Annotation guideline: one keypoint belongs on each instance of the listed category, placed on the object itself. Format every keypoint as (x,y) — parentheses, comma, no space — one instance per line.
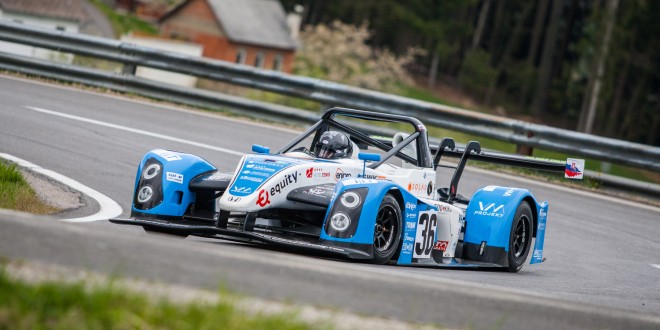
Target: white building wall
(41,53)
(185,48)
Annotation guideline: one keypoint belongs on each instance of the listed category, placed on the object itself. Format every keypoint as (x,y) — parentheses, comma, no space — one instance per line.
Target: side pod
(161,183)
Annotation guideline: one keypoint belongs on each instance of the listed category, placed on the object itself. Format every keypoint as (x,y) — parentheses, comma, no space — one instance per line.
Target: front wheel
(387,230)
(520,238)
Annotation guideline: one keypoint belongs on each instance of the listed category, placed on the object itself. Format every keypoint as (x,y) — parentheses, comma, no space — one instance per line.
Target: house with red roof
(249,32)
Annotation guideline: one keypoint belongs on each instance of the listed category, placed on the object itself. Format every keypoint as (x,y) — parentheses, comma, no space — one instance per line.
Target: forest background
(586,65)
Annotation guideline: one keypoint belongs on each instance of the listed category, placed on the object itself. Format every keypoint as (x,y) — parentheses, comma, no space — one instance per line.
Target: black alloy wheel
(387,230)
(520,238)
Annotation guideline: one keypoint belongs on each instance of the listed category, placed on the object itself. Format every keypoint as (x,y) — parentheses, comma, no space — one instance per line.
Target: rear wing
(572,168)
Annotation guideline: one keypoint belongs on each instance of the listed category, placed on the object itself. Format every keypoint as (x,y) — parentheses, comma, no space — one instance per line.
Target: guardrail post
(525,150)
(129,69)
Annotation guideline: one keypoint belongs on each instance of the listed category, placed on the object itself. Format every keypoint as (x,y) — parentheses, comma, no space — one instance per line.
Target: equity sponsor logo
(509,192)
(490,209)
(406,246)
(263,198)
(286,181)
(174,177)
(543,214)
(411,225)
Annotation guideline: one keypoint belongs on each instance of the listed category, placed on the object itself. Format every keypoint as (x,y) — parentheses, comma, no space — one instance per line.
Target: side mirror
(260,149)
(367,157)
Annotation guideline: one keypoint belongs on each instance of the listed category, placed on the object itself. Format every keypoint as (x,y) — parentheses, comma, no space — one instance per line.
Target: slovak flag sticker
(574,169)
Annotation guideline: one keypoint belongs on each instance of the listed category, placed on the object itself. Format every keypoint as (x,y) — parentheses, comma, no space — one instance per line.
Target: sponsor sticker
(168,155)
(218,177)
(411,206)
(441,245)
(241,190)
(574,168)
(315,172)
(351,182)
(174,177)
(490,209)
(339,174)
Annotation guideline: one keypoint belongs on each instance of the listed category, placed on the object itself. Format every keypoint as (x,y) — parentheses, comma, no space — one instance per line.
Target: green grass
(124,23)
(74,306)
(16,194)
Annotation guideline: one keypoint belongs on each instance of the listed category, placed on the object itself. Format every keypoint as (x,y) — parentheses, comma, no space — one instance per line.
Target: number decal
(426,227)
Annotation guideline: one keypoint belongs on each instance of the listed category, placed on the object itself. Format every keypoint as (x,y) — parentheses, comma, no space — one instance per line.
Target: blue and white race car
(339,190)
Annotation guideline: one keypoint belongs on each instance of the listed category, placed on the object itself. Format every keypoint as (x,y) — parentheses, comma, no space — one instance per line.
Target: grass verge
(53,305)
(16,194)
(124,23)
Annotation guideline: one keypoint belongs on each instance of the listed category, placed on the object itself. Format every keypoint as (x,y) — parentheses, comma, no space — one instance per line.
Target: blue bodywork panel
(490,214)
(377,189)
(178,169)
(255,170)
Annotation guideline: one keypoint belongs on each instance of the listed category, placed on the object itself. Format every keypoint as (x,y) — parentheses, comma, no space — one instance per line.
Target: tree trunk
(539,23)
(625,128)
(612,6)
(615,110)
(545,74)
(483,16)
(511,44)
(494,37)
(433,71)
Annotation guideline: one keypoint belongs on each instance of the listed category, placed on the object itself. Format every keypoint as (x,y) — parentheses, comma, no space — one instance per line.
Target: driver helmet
(333,145)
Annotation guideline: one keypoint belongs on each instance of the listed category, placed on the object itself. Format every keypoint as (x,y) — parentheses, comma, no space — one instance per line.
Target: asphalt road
(603,254)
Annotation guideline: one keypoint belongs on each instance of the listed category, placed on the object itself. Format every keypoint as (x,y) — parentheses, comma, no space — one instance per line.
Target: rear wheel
(387,230)
(520,238)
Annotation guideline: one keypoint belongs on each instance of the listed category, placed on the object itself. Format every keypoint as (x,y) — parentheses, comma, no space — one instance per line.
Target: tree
(589,112)
(545,71)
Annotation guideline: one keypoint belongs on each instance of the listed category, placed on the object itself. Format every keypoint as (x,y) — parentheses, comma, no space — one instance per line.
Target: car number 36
(424,239)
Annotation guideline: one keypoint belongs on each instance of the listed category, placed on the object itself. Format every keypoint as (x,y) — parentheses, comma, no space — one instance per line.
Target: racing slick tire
(520,238)
(387,230)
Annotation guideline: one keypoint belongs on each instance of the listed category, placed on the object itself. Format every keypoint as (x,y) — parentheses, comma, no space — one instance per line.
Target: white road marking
(656,266)
(136,131)
(108,207)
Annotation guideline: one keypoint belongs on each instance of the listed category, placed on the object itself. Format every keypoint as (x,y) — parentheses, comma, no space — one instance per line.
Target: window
(241,54)
(277,62)
(259,60)
(60,28)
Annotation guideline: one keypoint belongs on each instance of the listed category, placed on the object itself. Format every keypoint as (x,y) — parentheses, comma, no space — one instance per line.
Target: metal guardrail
(504,129)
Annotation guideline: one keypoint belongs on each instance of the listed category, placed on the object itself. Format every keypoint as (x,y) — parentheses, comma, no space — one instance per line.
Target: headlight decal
(343,218)
(149,192)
